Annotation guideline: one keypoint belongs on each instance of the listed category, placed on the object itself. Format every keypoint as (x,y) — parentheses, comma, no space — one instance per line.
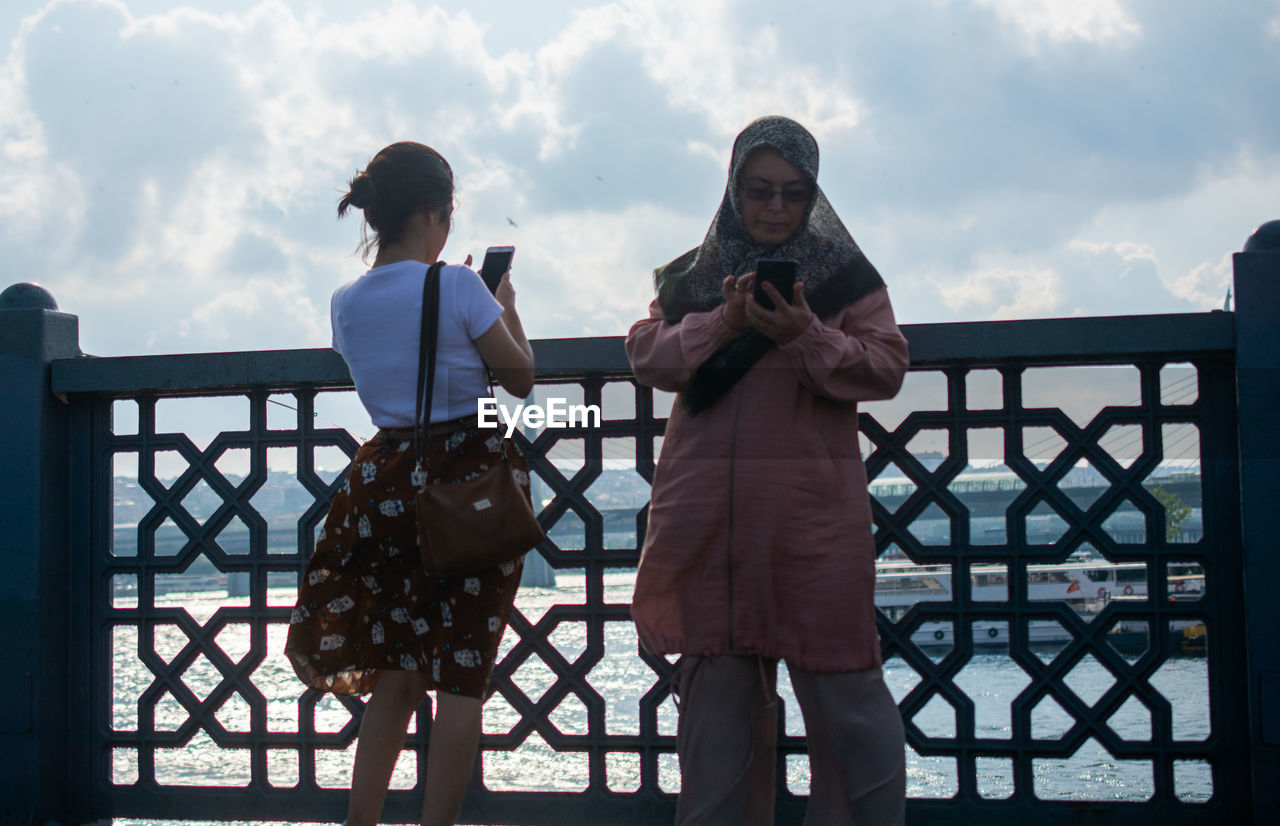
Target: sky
(170,171)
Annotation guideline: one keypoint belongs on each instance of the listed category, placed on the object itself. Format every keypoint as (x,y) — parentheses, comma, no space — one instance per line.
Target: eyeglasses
(764,194)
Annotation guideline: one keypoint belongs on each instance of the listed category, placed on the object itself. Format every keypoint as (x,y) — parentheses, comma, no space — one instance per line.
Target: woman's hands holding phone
(505,347)
(782,324)
(789,318)
(737,294)
(506,294)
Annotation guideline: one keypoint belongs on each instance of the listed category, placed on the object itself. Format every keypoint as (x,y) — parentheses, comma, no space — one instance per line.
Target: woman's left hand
(787,320)
(737,295)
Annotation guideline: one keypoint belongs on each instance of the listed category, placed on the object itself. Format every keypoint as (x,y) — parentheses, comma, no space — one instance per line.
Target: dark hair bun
(362,192)
(410,177)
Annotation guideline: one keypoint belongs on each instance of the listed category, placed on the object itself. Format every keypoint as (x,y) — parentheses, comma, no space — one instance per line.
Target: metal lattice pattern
(1092,645)
(203,697)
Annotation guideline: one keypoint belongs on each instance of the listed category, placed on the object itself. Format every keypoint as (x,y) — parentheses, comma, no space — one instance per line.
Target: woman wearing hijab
(759,545)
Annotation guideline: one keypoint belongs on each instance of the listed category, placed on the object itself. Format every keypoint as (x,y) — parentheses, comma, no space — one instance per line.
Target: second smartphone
(781,273)
(497,260)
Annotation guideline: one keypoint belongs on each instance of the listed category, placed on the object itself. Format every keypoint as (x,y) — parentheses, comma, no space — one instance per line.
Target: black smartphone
(497,260)
(781,273)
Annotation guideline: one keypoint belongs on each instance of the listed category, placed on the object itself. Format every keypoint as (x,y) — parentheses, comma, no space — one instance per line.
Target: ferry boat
(1086,584)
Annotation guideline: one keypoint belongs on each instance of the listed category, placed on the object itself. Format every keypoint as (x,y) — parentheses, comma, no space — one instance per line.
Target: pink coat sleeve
(664,356)
(862,358)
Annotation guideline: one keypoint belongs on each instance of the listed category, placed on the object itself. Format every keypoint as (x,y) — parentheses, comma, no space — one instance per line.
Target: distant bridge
(991,497)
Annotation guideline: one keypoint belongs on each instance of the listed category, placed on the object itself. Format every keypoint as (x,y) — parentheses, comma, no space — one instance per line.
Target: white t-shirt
(376,322)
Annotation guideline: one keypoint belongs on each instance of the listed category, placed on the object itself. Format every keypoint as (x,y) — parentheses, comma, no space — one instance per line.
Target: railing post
(1257,289)
(34,784)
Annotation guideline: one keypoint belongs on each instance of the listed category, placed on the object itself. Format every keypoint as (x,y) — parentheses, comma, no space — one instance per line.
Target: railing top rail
(1069,341)
(1065,341)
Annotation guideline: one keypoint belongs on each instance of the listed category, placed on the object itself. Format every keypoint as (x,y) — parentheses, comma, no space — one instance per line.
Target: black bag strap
(427,358)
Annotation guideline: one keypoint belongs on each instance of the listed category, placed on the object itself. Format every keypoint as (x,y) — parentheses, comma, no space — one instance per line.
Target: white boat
(1086,584)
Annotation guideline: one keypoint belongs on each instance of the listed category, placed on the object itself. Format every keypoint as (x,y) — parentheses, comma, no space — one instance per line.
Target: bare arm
(504,347)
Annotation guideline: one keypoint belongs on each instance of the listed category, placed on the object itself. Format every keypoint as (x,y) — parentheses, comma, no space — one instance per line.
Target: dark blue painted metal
(34,560)
(1106,340)
(1258,387)
(82,619)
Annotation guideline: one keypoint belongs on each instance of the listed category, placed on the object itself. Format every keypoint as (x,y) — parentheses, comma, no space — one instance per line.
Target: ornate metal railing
(1018,705)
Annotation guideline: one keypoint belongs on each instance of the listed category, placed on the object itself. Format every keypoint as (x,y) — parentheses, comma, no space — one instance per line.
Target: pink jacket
(760,538)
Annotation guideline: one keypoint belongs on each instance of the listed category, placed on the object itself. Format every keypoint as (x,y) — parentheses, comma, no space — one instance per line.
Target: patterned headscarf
(833,269)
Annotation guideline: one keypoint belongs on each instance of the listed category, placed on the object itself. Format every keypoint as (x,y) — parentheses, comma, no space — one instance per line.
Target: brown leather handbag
(468,526)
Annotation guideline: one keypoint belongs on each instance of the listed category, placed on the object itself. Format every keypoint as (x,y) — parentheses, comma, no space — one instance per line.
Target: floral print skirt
(365,603)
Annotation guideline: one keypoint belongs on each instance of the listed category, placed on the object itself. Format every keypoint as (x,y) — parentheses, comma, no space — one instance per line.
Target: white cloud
(1007,292)
(1126,250)
(28,179)
(1091,21)
(582,274)
(704,69)
(260,308)
(1207,284)
(1113,278)
(1196,230)
(160,170)
(703,53)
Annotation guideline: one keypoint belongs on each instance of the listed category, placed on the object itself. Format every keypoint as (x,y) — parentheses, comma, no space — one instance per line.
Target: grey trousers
(728,735)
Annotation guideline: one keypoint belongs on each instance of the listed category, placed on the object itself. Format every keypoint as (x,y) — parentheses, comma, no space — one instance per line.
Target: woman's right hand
(506,294)
(504,346)
(737,292)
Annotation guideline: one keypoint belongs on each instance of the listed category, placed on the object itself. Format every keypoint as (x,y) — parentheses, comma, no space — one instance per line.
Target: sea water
(990,680)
